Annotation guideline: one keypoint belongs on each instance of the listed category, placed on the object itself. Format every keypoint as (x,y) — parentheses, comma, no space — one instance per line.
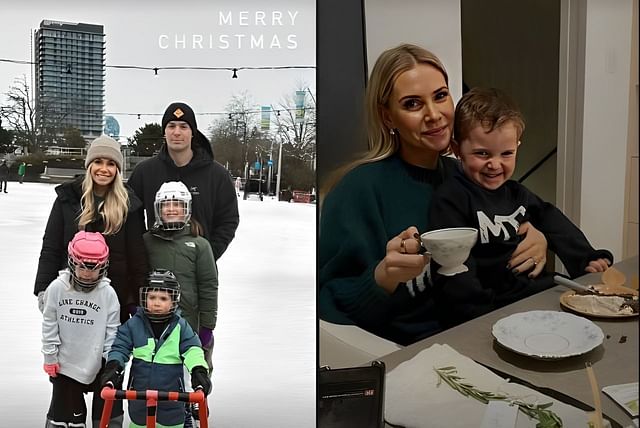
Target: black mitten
(200,379)
(112,375)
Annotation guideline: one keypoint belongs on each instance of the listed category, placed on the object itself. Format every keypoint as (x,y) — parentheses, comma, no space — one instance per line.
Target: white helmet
(176,192)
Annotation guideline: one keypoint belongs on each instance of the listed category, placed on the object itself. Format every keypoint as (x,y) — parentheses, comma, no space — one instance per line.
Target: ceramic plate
(565,301)
(547,334)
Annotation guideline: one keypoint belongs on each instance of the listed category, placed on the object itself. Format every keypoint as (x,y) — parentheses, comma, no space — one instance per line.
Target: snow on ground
(265,349)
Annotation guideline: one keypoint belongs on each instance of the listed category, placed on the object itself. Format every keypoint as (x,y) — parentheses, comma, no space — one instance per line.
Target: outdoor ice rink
(265,353)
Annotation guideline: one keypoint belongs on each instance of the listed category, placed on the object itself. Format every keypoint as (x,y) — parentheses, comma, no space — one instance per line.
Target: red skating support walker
(152,397)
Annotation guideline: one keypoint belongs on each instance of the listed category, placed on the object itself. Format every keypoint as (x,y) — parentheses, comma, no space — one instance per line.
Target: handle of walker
(152,397)
(108,393)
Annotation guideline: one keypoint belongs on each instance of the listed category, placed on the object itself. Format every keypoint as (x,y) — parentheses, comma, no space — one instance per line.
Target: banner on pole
(300,106)
(265,120)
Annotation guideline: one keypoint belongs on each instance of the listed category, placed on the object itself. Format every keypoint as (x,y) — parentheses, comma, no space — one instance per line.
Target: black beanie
(182,112)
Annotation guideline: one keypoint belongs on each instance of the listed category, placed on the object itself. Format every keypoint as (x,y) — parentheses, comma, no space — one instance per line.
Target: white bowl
(450,247)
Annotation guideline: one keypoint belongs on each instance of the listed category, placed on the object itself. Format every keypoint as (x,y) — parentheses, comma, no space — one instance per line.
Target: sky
(198,33)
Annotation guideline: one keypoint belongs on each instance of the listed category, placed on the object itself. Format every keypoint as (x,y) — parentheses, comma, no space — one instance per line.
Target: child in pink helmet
(80,318)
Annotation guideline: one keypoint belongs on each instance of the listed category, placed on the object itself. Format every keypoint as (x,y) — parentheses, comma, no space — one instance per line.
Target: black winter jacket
(128,263)
(214,205)
(4,171)
(497,214)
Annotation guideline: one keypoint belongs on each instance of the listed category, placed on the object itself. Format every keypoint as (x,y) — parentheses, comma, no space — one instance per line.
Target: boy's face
(489,159)
(173,211)
(159,302)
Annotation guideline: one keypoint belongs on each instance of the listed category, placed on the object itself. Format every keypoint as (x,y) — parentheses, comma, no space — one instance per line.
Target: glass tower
(69,77)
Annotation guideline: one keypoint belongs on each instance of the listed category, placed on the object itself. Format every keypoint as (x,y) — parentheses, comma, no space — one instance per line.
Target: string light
(214,113)
(155,72)
(156,69)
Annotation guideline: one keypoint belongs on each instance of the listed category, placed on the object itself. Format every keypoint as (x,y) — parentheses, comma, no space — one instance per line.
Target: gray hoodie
(78,328)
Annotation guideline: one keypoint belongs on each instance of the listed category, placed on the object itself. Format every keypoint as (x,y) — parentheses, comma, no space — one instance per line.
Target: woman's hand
(531,253)
(599,265)
(402,261)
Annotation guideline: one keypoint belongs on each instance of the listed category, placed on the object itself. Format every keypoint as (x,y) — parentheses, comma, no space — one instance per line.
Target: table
(613,362)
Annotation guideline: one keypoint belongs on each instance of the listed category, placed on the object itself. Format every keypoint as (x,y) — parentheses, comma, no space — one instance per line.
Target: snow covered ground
(265,350)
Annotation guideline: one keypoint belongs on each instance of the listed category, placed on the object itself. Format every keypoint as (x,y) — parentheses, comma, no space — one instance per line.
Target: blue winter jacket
(157,363)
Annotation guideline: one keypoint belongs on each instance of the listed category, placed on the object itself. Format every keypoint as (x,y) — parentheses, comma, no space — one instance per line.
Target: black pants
(67,401)
(3,182)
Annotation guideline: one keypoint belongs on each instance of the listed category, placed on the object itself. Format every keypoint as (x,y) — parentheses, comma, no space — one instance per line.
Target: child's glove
(41,301)
(206,336)
(200,379)
(51,369)
(112,375)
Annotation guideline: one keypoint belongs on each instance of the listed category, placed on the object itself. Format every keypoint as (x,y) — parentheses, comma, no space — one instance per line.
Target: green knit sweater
(370,205)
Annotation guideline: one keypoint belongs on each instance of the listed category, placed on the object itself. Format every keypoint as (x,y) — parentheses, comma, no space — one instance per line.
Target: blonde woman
(369,267)
(98,202)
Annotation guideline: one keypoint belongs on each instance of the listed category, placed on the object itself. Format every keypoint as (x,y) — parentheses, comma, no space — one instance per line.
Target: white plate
(547,334)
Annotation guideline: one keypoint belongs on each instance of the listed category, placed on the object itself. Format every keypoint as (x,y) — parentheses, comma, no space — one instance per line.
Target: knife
(574,285)
(629,299)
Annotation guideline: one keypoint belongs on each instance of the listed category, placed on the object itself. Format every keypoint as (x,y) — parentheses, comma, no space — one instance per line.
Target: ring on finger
(535,263)
(403,248)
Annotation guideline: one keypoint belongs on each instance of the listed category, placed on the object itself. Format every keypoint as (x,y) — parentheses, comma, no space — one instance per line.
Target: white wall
(434,25)
(631,231)
(605,123)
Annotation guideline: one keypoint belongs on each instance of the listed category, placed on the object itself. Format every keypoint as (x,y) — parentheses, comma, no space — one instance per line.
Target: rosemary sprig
(545,417)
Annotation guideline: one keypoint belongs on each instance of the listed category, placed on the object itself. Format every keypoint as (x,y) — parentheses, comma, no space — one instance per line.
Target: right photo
(477,173)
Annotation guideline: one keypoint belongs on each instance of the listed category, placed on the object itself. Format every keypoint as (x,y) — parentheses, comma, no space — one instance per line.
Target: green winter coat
(191,260)
(22,168)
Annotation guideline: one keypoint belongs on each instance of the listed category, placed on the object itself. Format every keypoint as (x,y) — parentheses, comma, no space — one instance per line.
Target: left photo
(158,193)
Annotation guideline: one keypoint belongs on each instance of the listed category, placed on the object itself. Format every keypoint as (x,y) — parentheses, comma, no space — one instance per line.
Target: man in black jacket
(187,156)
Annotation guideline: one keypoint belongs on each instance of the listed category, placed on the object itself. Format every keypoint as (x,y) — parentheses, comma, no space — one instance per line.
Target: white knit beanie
(104,147)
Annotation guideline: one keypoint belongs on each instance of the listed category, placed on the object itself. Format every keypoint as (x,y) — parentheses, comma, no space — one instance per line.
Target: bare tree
(240,129)
(34,124)
(20,113)
(250,152)
(298,132)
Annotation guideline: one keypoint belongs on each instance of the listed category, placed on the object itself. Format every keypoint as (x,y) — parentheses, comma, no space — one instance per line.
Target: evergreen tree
(147,140)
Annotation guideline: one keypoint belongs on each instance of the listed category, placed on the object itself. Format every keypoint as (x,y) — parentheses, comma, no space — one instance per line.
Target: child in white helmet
(175,244)
(80,319)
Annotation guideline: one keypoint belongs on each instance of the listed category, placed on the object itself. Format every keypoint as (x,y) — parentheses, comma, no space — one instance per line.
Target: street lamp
(270,164)
(259,170)
(279,162)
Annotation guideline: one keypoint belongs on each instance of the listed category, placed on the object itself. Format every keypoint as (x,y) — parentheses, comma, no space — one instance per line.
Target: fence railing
(65,151)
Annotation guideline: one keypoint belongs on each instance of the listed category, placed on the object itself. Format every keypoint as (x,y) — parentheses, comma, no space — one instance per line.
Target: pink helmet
(88,251)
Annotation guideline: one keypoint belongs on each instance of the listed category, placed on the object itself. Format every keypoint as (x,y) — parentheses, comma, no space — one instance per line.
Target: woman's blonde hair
(389,65)
(113,209)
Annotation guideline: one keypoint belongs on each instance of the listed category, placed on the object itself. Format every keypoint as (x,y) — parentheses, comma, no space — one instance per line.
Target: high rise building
(69,77)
